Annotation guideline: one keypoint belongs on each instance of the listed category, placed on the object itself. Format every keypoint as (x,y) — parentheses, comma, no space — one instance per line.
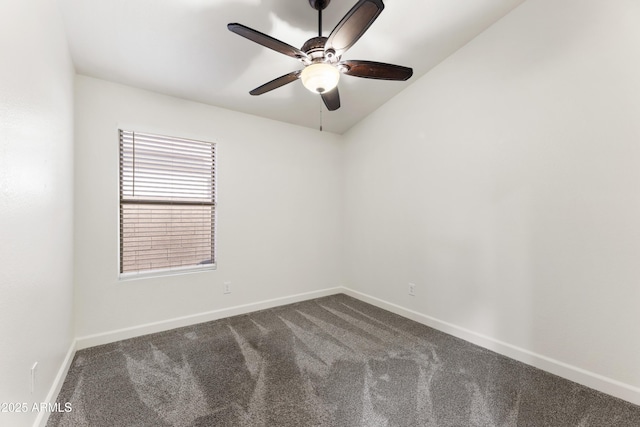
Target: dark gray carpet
(333,361)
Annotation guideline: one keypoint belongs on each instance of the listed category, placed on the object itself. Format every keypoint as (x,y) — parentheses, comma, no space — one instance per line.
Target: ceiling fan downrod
(319,5)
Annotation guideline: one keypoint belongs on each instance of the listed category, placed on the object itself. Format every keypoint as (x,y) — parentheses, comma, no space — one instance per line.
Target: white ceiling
(183,48)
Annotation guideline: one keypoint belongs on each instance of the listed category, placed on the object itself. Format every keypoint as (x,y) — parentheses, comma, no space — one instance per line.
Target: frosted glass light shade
(320,77)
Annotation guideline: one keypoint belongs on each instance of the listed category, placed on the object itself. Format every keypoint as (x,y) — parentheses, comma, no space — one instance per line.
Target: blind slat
(168,162)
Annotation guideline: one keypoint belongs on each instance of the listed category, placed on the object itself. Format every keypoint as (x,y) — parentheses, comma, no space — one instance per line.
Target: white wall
(36,201)
(505,184)
(278,220)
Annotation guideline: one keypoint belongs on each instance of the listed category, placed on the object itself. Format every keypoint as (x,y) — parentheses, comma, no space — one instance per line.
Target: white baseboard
(581,376)
(43,416)
(165,325)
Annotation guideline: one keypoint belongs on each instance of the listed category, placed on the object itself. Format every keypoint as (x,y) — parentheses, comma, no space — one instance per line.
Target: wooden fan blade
(276,83)
(353,25)
(376,70)
(268,41)
(331,99)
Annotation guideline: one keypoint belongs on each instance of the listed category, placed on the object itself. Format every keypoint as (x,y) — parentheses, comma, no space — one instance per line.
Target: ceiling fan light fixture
(320,77)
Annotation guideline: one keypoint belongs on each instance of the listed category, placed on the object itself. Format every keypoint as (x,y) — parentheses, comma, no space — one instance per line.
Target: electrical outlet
(226,288)
(412,289)
(34,369)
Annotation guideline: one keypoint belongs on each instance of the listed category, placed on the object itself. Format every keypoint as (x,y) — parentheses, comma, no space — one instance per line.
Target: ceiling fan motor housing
(314,48)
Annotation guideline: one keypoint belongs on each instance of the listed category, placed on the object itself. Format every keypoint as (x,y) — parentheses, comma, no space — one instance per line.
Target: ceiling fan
(322,56)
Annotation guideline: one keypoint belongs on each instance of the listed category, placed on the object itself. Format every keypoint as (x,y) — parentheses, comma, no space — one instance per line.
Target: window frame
(172,270)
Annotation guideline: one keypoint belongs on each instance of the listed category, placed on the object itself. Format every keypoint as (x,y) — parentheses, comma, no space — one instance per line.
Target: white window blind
(167,203)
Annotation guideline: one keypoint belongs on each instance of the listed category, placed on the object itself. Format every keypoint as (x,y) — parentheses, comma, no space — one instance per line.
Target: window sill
(176,271)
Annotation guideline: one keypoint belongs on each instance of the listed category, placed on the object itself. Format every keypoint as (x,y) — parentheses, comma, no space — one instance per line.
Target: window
(167,203)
